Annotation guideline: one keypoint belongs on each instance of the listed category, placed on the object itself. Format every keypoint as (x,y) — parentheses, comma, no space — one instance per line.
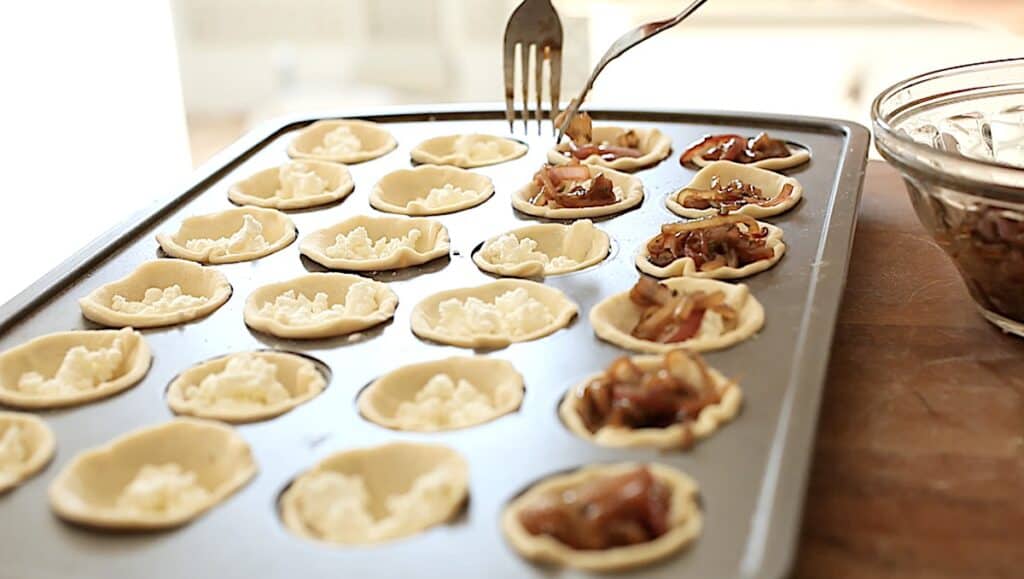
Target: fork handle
(617,49)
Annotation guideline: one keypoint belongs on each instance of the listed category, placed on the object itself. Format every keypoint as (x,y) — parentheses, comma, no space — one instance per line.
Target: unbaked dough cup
(194,280)
(376,142)
(44,355)
(770,183)
(432,244)
(425,315)
(632,195)
(260,189)
(444,151)
(387,470)
(404,190)
(615,317)
(300,375)
(686,267)
(379,401)
(278,231)
(336,286)
(672,437)
(654,144)
(86,490)
(581,242)
(39,444)
(685,520)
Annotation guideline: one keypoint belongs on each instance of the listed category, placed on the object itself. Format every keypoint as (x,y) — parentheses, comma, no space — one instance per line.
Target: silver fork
(535,27)
(620,46)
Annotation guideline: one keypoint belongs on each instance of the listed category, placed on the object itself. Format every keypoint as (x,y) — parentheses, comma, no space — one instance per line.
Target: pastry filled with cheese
(157,477)
(468,151)
(240,234)
(71,368)
(246,387)
(161,292)
(430,190)
(26,446)
(544,249)
(294,185)
(319,305)
(365,243)
(374,495)
(607,517)
(493,315)
(446,394)
(698,314)
(342,141)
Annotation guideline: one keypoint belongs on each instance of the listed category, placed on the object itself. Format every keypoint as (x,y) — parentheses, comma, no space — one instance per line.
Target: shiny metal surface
(752,472)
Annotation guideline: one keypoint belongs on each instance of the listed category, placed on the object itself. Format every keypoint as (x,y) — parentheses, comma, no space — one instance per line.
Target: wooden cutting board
(919,465)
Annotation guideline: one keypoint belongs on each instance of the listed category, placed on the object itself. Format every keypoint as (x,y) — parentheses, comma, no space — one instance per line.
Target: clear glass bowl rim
(985,178)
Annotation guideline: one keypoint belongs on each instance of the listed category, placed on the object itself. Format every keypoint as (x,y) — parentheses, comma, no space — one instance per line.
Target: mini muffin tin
(751,473)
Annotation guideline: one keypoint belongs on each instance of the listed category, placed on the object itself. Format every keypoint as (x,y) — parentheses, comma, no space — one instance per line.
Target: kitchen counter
(919,464)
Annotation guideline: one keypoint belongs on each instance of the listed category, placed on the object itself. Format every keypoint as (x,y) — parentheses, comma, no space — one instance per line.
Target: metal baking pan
(752,472)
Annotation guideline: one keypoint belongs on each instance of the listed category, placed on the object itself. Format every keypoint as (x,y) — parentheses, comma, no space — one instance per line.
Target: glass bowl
(957,137)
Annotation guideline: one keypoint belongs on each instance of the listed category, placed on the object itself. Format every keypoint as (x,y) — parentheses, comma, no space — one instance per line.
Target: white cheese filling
(245,381)
(162,489)
(299,180)
(13,452)
(442,197)
(477,148)
(248,238)
(297,309)
(357,244)
(158,301)
(340,141)
(80,369)
(337,507)
(513,313)
(510,250)
(445,403)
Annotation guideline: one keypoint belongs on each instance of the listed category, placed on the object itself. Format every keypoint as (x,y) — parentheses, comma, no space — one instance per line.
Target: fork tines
(536,30)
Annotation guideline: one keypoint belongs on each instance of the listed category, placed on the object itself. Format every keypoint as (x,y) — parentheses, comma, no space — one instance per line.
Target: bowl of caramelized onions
(957,137)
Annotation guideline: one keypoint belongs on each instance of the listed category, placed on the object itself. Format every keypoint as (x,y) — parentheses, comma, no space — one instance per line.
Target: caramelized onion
(720,241)
(669,316)
(730,196)
(606,152)
(608,512)
(735,148)
(562,186)
(628,397)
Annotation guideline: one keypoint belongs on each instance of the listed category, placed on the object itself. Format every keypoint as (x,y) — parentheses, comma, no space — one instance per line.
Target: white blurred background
(108,104)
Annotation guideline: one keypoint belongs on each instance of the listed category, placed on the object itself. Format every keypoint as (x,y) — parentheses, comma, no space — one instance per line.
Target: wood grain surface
(919,466)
